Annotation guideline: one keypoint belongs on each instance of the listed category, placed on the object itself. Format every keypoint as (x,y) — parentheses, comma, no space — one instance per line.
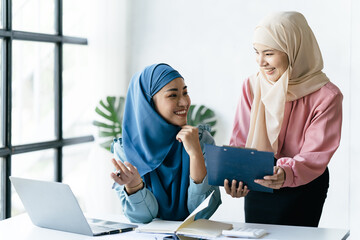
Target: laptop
(53,205)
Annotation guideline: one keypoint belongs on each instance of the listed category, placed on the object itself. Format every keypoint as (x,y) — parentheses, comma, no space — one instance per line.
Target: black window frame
(7,34)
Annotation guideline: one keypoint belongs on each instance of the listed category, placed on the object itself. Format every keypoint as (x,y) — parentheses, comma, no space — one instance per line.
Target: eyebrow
(175,89)
(267,50)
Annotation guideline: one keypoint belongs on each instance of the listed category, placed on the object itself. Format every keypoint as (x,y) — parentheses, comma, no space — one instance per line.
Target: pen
(118,175)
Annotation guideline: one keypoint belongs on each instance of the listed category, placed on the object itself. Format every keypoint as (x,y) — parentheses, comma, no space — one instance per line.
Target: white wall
(209,43)
(354,117)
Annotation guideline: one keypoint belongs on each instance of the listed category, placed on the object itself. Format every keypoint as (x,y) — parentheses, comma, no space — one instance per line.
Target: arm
(198,192)
(189,136)
(321,139)
(139,205)
(242,117)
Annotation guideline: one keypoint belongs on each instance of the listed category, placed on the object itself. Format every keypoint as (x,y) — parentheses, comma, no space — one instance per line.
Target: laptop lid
(53,205)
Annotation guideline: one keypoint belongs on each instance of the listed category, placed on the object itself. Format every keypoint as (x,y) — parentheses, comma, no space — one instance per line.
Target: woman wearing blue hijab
(159,157)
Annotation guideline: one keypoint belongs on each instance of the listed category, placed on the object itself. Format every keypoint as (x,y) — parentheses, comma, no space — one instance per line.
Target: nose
(261,60)
(183,101)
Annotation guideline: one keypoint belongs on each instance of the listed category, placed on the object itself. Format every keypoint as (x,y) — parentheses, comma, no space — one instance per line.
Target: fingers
(128,172)
(186,132)
(269,183)
(277,173)
(226,186)
(275,181)
(235,192)
(242,191)
(233,188)
(115,163)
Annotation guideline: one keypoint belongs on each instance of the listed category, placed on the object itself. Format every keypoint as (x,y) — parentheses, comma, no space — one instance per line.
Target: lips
(269,70)
(181,112)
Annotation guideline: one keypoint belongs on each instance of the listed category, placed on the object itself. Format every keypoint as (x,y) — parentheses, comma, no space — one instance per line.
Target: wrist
(133,186)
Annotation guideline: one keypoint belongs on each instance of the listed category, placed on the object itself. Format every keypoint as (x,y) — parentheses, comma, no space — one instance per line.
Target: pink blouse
(309,136)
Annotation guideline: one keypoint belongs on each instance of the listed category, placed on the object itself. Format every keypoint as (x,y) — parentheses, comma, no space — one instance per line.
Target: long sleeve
(242,117)
(197,193)
(309,136)
(317,138)
(142,206)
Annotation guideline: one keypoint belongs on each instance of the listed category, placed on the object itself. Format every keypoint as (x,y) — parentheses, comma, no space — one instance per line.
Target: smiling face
(172,102)
(273,63)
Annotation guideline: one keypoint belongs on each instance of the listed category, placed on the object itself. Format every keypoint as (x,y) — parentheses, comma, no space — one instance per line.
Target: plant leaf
(111,110)
(203,115)
(103,125)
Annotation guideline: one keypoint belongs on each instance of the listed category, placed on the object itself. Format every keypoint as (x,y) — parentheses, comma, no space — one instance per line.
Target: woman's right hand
(129,176)
(235,192)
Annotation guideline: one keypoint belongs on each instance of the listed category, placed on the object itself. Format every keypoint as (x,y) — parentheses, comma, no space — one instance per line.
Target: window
(43,119)
(34,16)
(32,92)
(1,97)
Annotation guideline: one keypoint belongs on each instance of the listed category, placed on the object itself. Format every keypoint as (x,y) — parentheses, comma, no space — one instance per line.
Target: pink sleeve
(321,139)
(242,117)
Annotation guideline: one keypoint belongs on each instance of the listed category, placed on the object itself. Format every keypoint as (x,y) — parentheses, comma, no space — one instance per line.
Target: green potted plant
(111,111)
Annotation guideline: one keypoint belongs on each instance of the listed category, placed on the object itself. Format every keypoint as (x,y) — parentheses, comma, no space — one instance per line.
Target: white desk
(20,227)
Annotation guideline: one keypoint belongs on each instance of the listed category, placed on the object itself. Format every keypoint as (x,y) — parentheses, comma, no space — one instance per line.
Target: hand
(235,192)
(275,181)
(189,136)
(129,176)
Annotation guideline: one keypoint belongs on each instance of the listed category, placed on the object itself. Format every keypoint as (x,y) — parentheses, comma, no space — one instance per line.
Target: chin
(180,123)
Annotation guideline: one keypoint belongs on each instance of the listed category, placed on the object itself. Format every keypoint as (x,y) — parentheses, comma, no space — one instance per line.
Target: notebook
(198,229)
(53,205)
(241,164)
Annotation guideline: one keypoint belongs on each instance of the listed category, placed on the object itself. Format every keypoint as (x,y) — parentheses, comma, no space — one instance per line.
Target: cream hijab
(288,32)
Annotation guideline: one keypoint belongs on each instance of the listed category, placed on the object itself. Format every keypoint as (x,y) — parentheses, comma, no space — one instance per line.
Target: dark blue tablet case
(241,164)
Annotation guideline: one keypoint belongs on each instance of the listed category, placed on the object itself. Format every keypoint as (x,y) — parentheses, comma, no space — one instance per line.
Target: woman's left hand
(275,181)
(189,136)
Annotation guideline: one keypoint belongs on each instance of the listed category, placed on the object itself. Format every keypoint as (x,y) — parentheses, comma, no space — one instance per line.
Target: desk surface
(20,227)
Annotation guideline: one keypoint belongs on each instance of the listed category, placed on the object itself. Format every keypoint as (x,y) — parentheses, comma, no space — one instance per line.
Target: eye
(185,93)
(172,95)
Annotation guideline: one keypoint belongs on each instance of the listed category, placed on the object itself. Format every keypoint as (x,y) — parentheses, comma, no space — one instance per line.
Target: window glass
(34,15)
(34,165)
(2,189)
(77,166)
(1,15)
(33,92)
(1,96)
(78,92)
(76,23)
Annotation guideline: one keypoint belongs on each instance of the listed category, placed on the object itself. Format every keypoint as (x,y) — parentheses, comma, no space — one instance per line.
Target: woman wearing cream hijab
(292,109)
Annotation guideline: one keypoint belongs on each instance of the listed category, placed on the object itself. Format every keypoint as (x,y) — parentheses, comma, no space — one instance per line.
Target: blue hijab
(150,145)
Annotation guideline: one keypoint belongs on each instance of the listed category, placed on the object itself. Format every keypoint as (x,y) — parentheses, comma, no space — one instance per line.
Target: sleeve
(197,193)
(140,207)
(242,117)
(322,138)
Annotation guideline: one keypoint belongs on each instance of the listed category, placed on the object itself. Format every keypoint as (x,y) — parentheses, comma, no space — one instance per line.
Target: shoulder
(248,87)
(327,94)
(326,98)
(332,90)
